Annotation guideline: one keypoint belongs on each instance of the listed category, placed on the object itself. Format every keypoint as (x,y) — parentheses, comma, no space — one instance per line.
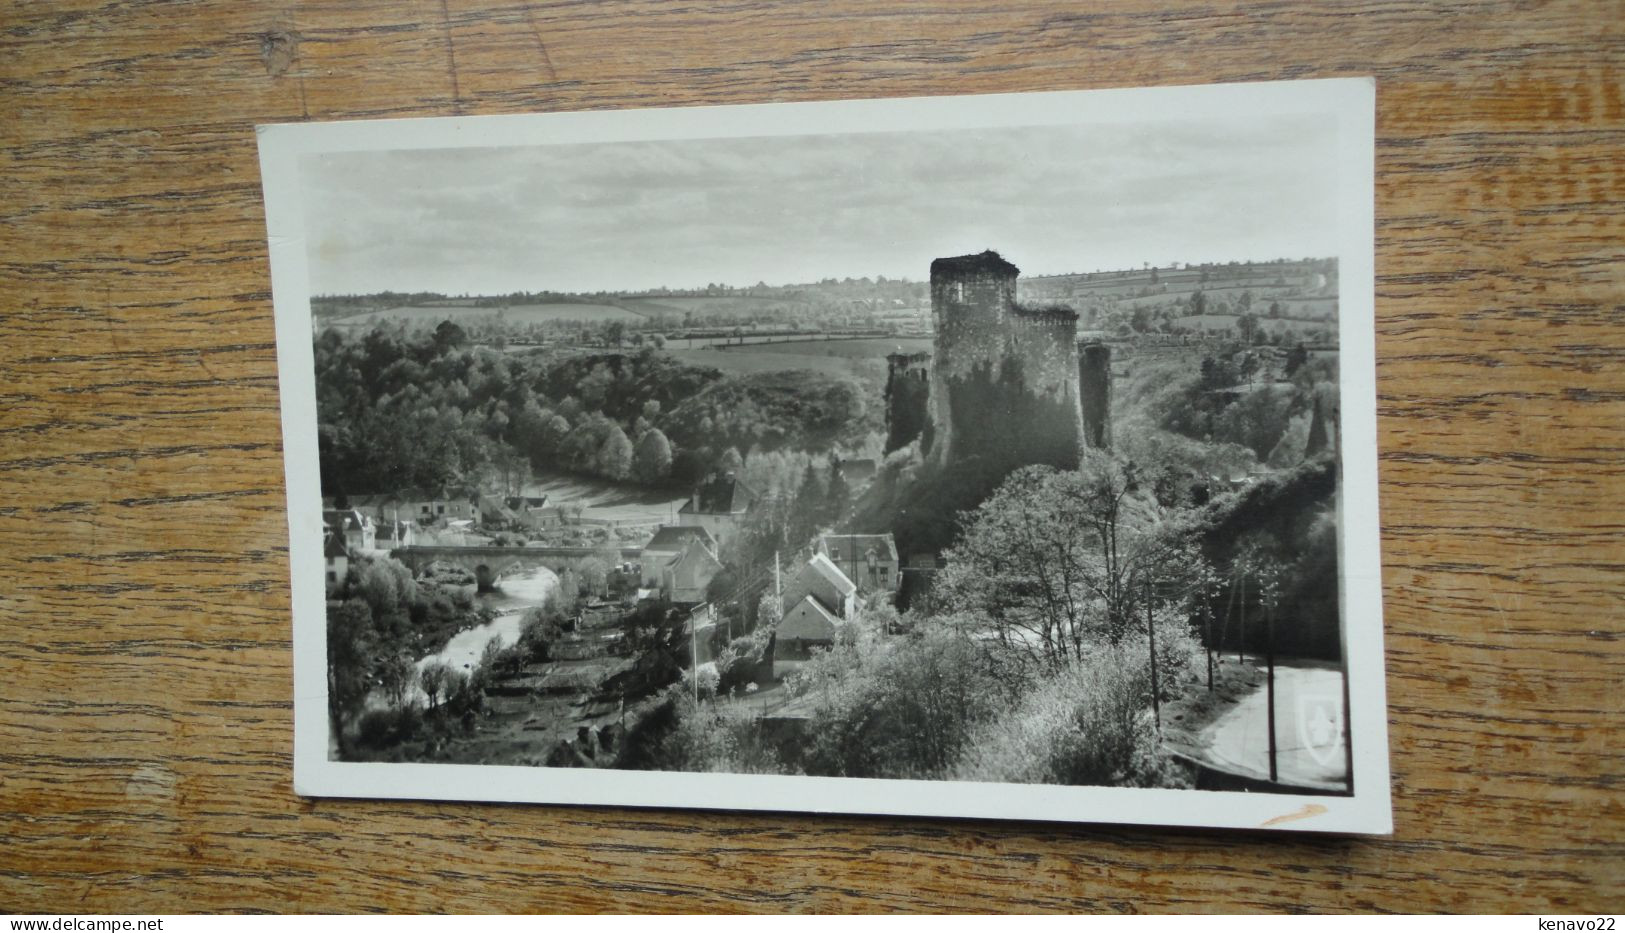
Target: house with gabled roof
(668,544)
(394,534)
(870,561)
(824,582)
(806,627)
(686,579)
(721,505)
(428,506)
(353,526)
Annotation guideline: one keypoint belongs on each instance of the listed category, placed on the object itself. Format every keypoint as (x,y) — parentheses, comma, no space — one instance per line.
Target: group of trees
(1237,399)
(1031,659)
(379,621)
(398,410)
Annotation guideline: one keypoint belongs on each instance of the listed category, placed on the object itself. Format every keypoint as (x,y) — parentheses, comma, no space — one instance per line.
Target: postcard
(1005,456)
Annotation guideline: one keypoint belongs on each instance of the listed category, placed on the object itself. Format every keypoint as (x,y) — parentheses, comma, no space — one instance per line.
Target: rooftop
(846,545)
(821,565)
(675,538)
(722,494)
(987,261)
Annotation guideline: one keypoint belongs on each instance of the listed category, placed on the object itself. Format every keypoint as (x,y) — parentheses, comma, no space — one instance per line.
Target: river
(511,597)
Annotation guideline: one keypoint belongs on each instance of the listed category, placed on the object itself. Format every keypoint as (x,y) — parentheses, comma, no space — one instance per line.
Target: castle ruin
(1006,384)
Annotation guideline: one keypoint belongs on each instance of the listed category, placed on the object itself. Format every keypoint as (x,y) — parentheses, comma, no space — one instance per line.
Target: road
(1308,730)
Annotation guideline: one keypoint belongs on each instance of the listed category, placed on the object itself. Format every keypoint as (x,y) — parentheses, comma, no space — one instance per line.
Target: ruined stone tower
(1004,376)
(908,412)
(1095,393)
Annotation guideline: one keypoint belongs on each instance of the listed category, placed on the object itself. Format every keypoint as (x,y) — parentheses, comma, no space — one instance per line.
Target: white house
(354,527)
(806,627)
(667,545)
(685,579)
(823,581)
(870,561)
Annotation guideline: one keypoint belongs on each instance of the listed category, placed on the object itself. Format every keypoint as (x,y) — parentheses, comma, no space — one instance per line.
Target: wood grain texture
(145,716)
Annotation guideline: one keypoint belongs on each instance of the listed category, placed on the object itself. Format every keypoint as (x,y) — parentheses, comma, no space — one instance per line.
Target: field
(702,305)
(430,315)
(606,500)
(864,358)
(1222,321)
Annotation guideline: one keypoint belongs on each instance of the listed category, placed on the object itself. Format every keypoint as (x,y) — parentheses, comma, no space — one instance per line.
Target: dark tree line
(399,409)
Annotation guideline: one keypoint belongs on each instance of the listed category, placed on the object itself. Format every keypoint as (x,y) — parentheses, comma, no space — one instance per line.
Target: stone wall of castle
(1005,385)
(1095,393)
(1004,378)
(908,401)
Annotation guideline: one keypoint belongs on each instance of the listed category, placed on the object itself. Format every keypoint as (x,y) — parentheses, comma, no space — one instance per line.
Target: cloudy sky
(630,216)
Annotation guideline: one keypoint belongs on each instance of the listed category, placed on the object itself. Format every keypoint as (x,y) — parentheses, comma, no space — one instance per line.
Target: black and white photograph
(1007,456)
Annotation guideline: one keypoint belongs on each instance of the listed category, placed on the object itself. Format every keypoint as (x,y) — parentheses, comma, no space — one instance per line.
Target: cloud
(634,215)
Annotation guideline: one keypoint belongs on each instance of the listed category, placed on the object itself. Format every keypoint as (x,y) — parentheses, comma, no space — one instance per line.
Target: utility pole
(1269,661)
(1207,633)
(694,655)
(1151,632)
(1241,640)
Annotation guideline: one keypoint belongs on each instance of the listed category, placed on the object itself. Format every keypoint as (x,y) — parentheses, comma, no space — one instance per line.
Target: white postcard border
(1351,101)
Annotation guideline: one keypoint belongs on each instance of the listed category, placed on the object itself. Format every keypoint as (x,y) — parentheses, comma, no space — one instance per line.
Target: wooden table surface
(145,718)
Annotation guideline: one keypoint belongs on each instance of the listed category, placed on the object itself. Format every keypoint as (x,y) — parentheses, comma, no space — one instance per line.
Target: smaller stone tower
(1095,392)
(908,400)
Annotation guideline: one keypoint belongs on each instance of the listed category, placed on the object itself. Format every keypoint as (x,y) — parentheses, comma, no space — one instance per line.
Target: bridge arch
(490,564)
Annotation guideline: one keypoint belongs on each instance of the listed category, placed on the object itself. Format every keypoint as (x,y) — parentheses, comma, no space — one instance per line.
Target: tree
(730,461)
(651,461)
(807,510)
(1057,561)
(433,679)
(349,645)
(838,500)
(395,673)
(449,336)
(1247,325)
(1295,359)
(615,457)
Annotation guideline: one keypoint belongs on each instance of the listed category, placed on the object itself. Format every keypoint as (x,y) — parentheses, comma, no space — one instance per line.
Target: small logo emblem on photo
(1320,725)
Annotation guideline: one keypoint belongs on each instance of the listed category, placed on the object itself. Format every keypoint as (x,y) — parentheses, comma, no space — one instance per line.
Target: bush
(897,708)
(1090,724)
(386,728)
(1179,653)
(720,737)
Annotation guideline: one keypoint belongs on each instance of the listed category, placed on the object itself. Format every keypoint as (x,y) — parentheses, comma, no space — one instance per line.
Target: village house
(355,528)
(870,561)
(817,599)
(533,512)
(684,580)
(720,505)
(668,543)
(393,534)
(494,510)
(337,558)
(428,507)
(826,583)
(806,627)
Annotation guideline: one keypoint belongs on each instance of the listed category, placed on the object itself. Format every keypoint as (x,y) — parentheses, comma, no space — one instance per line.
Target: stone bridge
(489,564)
